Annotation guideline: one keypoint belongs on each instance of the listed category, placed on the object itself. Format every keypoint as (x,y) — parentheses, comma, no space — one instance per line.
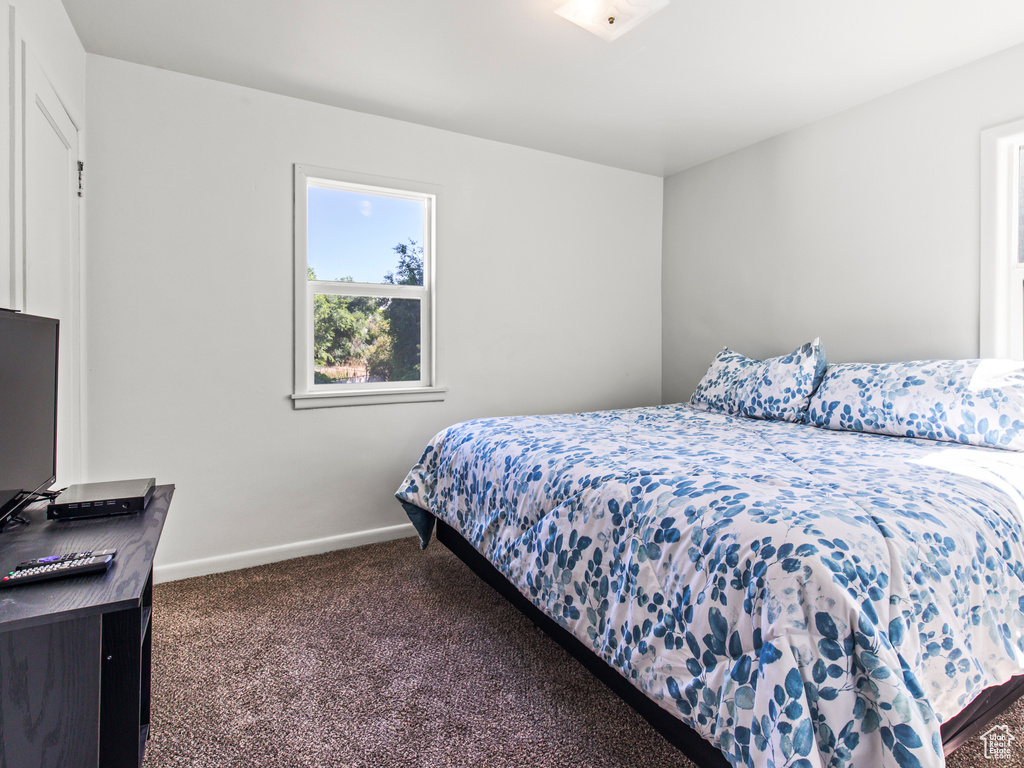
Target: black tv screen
(28,408)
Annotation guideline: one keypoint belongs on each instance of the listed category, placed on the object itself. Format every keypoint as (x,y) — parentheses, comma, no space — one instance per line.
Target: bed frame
(955,731)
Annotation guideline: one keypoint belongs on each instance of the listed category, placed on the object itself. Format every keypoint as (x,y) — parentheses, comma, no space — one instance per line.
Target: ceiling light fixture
(609,19)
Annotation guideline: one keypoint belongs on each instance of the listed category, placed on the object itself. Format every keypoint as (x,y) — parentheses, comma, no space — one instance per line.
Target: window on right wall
(1002,241)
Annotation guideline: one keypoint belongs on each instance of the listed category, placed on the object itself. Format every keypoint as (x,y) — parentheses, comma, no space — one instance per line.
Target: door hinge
(81,168)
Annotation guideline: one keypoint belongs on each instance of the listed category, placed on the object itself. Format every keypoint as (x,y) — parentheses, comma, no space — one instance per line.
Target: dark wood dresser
(75,652)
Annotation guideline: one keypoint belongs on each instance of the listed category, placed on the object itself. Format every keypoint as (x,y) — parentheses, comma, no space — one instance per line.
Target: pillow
(979,402)
(779,388)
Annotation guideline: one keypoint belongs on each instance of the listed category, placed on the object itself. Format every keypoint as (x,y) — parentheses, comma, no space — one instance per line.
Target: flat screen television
(28,409)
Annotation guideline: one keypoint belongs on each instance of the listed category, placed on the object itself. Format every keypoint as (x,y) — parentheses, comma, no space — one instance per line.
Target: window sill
(369,397)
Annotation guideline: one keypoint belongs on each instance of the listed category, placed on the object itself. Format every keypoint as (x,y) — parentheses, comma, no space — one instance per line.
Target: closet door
(50,279)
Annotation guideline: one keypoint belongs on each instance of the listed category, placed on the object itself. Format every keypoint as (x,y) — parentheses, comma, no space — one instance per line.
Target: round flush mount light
(609,19)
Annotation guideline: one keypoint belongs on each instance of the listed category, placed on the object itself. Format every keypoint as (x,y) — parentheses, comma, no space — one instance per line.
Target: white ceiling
(697,80)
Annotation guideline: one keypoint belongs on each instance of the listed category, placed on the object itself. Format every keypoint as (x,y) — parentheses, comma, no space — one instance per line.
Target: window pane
(364,238)
(359,339)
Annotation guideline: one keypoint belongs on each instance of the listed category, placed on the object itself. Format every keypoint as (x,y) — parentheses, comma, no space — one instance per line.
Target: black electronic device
(101,499)
(58,570)
(64,558)
(28,408)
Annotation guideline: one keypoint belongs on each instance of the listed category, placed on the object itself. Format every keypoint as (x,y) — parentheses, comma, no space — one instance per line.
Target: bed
(798,590)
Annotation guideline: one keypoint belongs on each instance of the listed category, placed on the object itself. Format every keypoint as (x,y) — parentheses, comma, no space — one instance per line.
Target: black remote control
(58,570)
(64,558)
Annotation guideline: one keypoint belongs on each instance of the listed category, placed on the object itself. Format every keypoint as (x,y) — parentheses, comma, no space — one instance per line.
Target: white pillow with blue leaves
(978,402)
(777,389)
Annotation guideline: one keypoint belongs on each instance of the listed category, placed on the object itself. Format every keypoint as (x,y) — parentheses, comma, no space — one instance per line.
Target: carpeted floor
(385,657)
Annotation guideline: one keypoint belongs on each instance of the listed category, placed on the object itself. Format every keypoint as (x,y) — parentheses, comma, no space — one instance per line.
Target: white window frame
(308,394)
(1002,273)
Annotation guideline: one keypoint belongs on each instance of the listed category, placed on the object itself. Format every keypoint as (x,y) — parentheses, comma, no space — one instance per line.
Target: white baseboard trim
(236,560)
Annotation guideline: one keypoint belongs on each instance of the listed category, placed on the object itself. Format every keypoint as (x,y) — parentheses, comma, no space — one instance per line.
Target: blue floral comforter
(799,596)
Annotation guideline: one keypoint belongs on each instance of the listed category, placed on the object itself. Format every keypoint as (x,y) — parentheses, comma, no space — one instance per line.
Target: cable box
(101,499)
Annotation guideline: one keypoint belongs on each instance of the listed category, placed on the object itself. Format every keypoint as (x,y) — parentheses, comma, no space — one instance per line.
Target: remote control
(63,558)
(59,570)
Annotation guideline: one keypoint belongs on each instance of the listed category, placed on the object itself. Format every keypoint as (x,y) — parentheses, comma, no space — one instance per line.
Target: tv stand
(75,653)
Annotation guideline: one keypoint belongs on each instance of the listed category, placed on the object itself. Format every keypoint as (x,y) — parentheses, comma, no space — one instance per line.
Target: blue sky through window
(353,234)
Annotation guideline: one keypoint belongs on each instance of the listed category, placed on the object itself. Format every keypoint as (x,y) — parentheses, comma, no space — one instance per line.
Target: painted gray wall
(862,229)
(547,301)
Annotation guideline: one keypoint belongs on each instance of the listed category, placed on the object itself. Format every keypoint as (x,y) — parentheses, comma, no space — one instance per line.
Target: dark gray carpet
(380,657)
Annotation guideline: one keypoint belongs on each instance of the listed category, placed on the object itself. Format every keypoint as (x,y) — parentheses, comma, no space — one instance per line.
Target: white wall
(862,228)
(547,301)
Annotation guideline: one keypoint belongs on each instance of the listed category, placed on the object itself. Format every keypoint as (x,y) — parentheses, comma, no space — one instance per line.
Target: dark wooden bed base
(955,731)
(678,734)
(989,705)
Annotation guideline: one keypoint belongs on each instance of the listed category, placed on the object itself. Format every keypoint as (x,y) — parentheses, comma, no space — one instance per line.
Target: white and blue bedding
(799,596)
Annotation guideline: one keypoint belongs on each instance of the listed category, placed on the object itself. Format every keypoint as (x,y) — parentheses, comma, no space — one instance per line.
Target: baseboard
(236,560)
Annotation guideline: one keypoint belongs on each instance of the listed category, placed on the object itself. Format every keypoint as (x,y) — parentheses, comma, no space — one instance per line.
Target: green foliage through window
(369,339)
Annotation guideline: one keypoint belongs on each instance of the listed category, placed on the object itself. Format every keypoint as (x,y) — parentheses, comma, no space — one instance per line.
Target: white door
(50,279)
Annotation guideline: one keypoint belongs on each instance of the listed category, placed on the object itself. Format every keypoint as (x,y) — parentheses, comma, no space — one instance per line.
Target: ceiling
(697,80)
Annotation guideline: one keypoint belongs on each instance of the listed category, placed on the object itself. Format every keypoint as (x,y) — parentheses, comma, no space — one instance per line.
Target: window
(364,257)
(1002,241)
